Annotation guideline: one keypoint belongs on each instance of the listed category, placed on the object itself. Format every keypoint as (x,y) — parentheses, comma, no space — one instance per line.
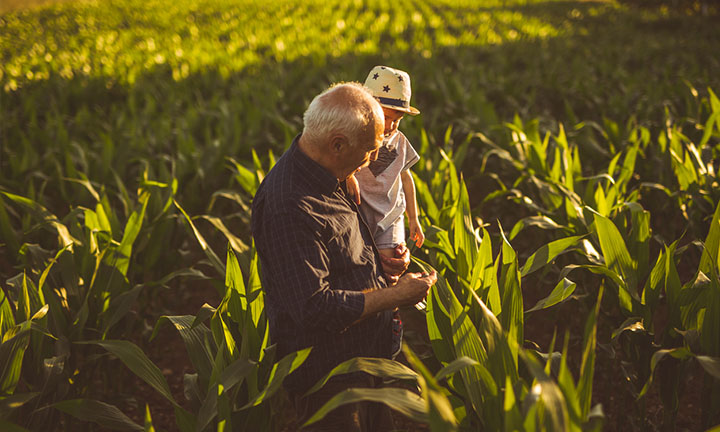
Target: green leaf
(466,342)
(617,257)
(441,415)
(198,341)
(711,365)
(378,367)
(148,420)
(512,315)
(238,245)
(12,351)
(7,232)
(108,416)
(542,222)
(214,260)
(710,260)
(679,353)
(132,229)
(455,366)
(587,366)
(136,360)
(403,401)
(43,215)
(545,254)
(280,370)
(567,385)
(557,417)
(560,293)
(466,244)
(513,418)
(119,307)
(6,426)
(12,402)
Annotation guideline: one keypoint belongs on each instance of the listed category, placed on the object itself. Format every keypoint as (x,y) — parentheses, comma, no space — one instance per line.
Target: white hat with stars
(391,87)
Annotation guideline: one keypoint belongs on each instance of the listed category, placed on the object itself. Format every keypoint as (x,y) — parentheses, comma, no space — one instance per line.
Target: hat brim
(409,110)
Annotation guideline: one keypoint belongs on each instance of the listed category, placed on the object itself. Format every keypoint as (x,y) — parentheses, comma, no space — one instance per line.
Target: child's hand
(353,188)
(416,232)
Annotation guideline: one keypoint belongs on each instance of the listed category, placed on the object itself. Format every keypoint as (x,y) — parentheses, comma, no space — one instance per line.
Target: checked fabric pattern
(316,257)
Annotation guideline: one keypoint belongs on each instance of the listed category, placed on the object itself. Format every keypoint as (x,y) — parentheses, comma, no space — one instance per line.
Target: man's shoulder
(283,194)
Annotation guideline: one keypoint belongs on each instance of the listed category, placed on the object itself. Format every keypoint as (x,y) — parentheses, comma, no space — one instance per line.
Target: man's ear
(338,143)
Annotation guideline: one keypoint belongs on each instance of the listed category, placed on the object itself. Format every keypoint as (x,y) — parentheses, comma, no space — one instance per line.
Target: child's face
(392,120)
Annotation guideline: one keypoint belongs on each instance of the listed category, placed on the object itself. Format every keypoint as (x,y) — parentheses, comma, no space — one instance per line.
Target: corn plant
(85,288)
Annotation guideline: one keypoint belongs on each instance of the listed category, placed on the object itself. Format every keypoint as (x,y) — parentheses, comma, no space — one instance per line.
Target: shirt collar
(316,175)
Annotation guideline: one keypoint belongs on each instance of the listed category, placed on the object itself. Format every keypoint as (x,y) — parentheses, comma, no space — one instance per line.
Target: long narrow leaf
(403,401)
(106,415)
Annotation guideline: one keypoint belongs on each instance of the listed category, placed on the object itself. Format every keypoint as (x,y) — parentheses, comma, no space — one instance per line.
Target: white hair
(352,113)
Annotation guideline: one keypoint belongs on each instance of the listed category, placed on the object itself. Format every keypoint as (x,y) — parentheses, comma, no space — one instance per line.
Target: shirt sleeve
(296,265)
(411,156)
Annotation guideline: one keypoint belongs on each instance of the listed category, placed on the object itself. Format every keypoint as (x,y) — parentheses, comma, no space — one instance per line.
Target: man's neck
(313,152)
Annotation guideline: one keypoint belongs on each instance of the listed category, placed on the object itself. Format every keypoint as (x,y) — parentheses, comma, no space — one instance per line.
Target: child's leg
(389,252)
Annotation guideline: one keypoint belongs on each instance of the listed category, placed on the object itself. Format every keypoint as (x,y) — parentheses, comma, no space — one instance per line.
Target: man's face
(392,120)
(364,151)
(369,151)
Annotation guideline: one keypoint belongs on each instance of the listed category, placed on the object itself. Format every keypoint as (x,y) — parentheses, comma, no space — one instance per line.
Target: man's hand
(415,287)
(396,266)
(353,188)
(410,289)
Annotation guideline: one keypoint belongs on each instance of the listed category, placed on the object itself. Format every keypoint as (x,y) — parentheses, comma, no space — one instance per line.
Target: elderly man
(323,277)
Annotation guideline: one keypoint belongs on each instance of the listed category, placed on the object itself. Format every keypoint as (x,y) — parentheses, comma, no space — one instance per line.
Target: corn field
(568,187)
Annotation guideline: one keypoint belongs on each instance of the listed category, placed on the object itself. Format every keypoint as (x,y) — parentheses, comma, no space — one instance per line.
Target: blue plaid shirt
(316,257)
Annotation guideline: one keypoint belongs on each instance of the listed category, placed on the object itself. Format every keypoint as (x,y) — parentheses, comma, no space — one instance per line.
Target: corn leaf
(465,241)
(198,341)
(710,260)
(547,253)
(43,215)
(403,401)
(279,371)
(148,426)
(542,222)
(513,418)
(136,360)
(238,245)
(14,401)
(466,342)
(678,353)
(455,366)
(214,260)
(6,426)
(711,365)
(587,366)
(441,415)
(7,233)
(106,415)
(562,291)
(132,229)
(545,390)
(512,316)
(378,367)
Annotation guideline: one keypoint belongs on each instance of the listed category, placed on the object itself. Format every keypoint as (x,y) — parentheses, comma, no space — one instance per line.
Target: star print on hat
(391,87)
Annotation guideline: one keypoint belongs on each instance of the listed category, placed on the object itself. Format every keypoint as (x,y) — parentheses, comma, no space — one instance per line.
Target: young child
(385,188)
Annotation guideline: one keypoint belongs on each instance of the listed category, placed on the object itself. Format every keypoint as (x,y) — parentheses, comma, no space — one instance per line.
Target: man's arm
(295,270)
(410,289)
(416,232)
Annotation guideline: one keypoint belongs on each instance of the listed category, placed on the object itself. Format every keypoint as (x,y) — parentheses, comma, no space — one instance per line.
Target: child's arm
(353,188)
(416,232)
